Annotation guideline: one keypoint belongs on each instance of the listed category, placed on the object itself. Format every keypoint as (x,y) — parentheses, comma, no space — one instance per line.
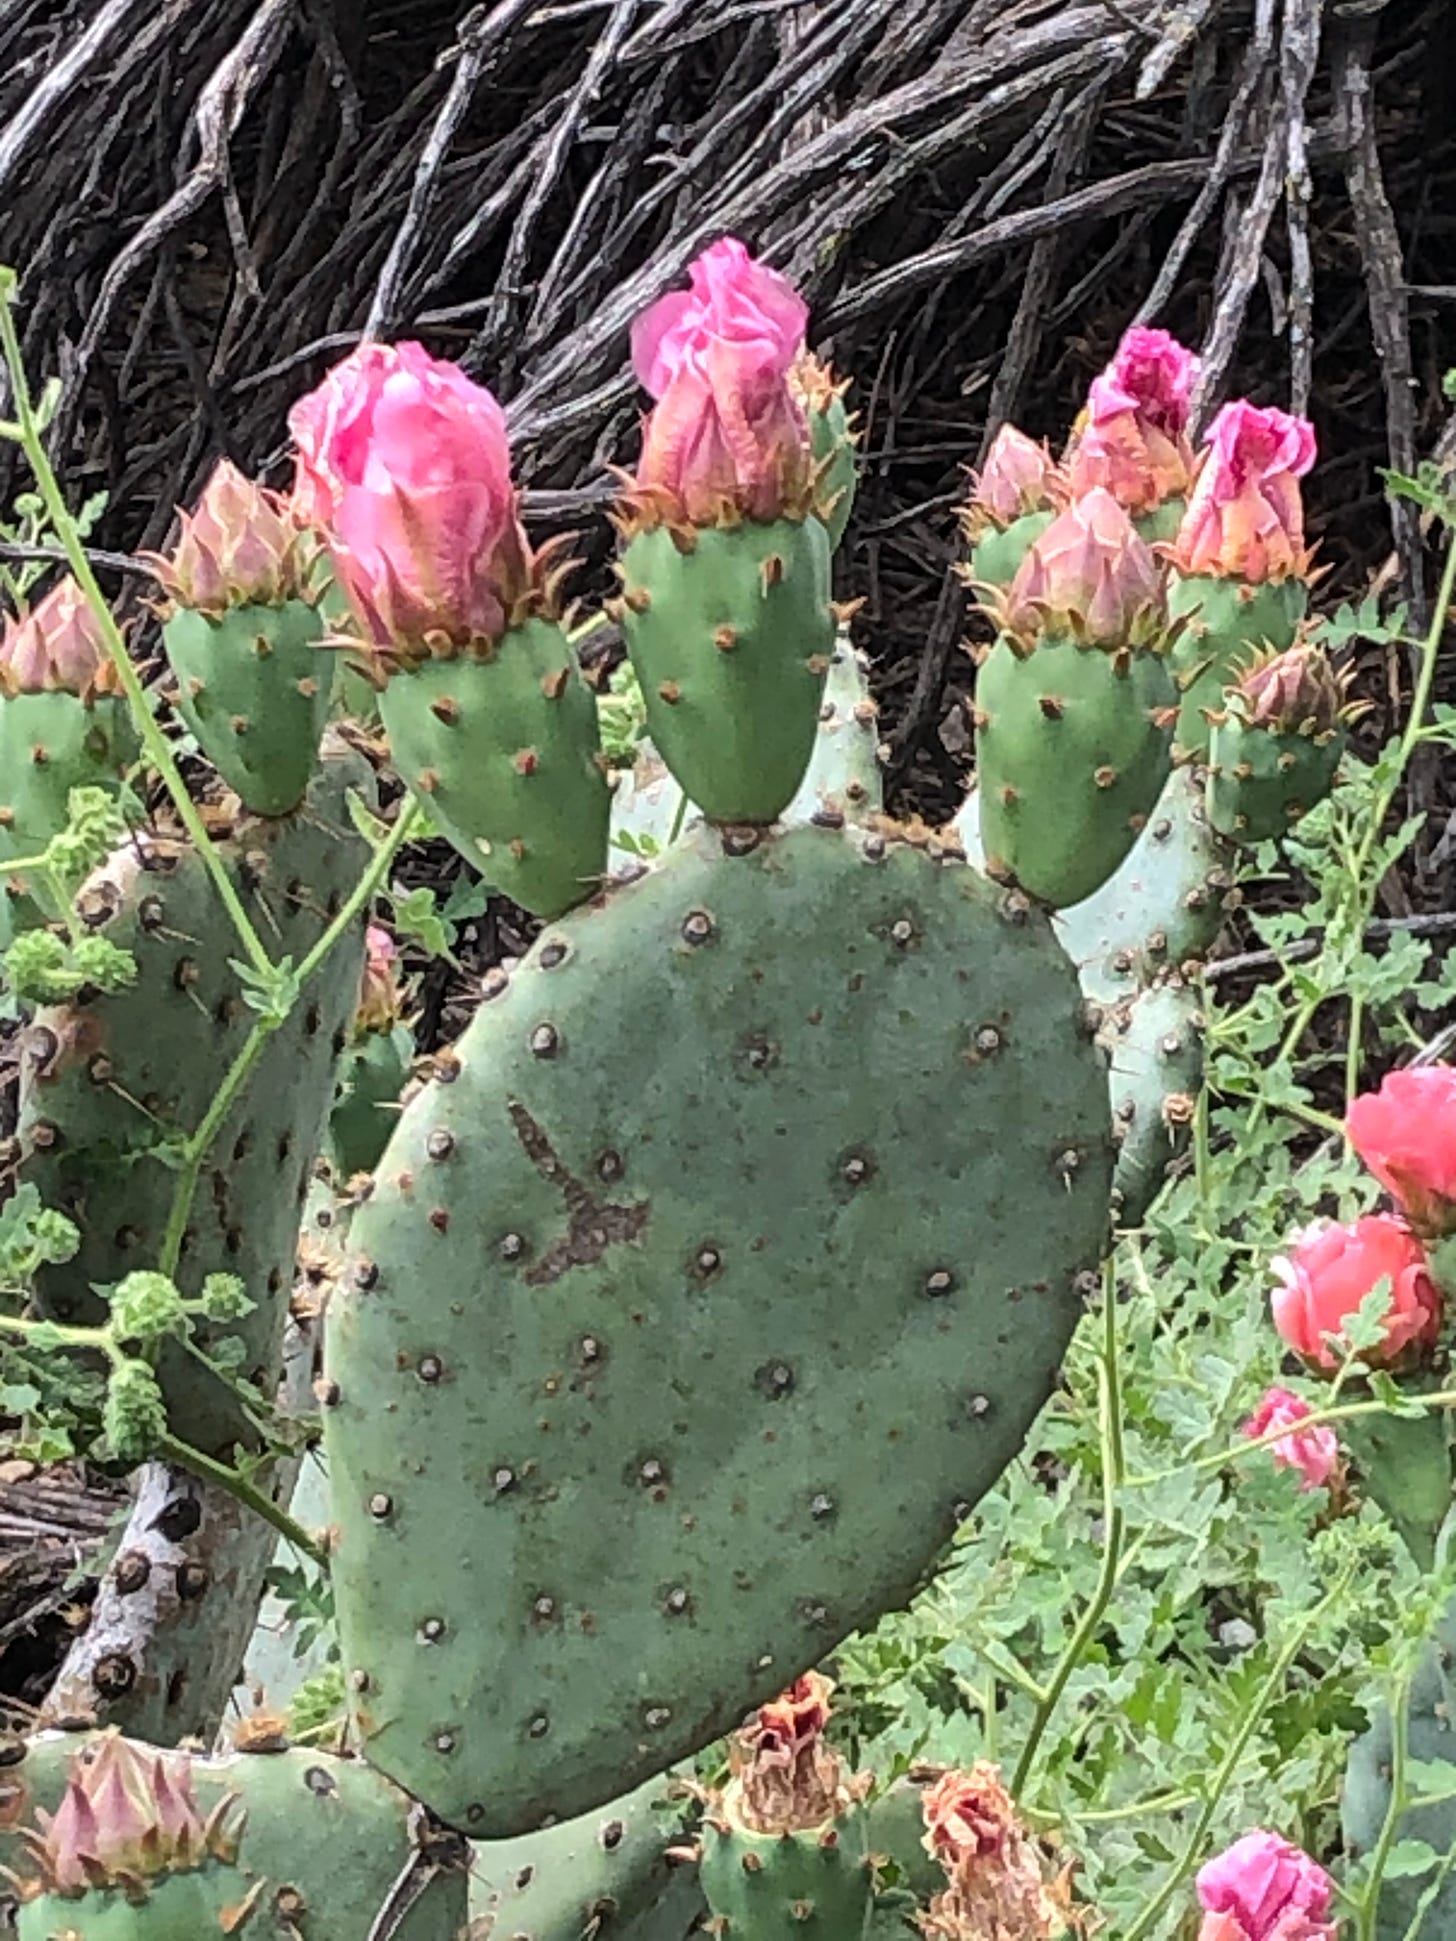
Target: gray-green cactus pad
(111,1085)
(735,1259)
(1155,1052)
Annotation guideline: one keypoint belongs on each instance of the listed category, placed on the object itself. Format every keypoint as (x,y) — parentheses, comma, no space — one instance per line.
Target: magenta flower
(57,647)
(728,437)
(1245,516)
(1133,437)
(1329,1270)
(1265,1889)
(1088,570)
(1406,1135)
(1314,1452)
(404,463)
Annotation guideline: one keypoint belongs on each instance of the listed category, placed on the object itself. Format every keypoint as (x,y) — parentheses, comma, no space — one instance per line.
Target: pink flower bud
(1132,439)
(1293,691)
(786,1777)
(404,463)
(1330,1269)
(1406,1135)
(1265,1889)
(994,1879)
(728,437)
(1314,1452)
(1245,516)
(380,1003)
(57,648)
(1019,476)
(238,547)
(1089,570)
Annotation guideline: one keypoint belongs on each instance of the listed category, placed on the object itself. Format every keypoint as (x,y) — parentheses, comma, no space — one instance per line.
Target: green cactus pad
(732,641)
(1262,780)
(606,1873)
(1407,1469)
(659,1434)
(111,1084)
(49,745)
(1154,1044)
(895,1835)
(1226,620)
(1070,758)
(505,753)
(1431,1740)
(997,555)
(371,1076)
(773,1887)
(325,1844)
(832,444)
(254,689)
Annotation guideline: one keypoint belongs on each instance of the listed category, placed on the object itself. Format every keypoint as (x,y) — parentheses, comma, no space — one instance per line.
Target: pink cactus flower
(58,647)
(238,547)
(379,995)
(1089,570)
(1019,476)
(1133,437)
(1329,1270)
(1406,1135)
(1314,1452)
(1265,1889)
(1245,516)
(728,437)
(404,463)
(1296,690)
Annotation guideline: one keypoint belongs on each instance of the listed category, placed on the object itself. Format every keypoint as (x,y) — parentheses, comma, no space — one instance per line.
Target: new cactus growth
(1073,707)
(1275,744)
(1014,498)
(63,725)
(784,1845)
(406,464)
(1241,568)
(242,631)
(535,1187)
(725,600)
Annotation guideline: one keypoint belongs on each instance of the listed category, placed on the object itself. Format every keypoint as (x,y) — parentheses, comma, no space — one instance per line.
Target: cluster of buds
(240,546)
(58,647)
(127,1816)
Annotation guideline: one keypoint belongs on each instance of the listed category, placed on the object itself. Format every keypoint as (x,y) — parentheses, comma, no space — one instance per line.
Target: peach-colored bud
(1295,690)
(1132,439)
(57,648)
(1089,570)
(238,547)
(1245,516)
(1019,476)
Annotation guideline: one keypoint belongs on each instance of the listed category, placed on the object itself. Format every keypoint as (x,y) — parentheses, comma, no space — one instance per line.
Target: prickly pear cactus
(731,632)
(1154,1047)
(285,1841)
(110,1083)
(50,744)
(254,688)
(1431,1740)
(1225,622)
(372,1074)
(503,748)
(611,1341)
(607,1873)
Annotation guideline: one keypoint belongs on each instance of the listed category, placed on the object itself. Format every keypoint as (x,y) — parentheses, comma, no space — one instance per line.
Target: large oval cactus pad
(736,1257)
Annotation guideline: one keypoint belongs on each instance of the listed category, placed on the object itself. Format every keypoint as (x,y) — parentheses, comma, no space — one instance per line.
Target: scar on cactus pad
(404,463)
(725,601)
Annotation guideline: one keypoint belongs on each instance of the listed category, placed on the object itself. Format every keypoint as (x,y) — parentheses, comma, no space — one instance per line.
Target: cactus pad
(50,744)
(110,1085)
(771,1887)
(505,753)
(1071,756)
(1225,621)
(1261,780)
(372,1074)
(1155,1054)
(731,641)
(254,689)
(659,1433)
(997,554)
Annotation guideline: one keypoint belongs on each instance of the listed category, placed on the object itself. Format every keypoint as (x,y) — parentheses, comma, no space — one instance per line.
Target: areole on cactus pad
(691,1360)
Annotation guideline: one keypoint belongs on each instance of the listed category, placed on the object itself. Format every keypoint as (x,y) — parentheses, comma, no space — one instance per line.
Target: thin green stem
(98,1339)
(1109,1397)
(1198,1833)
(1369,1904)
(170,1449)
(153,740)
